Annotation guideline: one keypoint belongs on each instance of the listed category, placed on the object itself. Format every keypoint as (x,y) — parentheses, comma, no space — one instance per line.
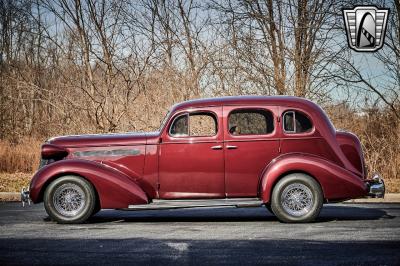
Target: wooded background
(75,67)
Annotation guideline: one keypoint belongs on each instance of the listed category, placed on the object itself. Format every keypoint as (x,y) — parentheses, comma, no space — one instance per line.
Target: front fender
(336,182)
(115,189)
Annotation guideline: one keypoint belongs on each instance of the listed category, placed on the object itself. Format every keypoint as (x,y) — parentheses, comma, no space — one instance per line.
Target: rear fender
(114,188)
(336,182)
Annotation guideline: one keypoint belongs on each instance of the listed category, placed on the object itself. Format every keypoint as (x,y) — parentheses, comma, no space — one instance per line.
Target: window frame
(310,131)
(188,114)
(255,109)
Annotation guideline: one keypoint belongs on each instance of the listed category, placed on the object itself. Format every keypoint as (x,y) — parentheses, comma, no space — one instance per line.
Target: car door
(191,163)
(251,142)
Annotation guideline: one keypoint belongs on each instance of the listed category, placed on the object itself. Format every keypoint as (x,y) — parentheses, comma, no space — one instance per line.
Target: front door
(191,161)
(251,142)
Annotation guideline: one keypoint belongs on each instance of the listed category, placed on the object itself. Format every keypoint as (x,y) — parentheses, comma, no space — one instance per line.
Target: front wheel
(70,199)
(297,198)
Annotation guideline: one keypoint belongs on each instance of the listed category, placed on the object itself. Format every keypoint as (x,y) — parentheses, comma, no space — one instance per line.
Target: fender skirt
(336,182)
(114,188)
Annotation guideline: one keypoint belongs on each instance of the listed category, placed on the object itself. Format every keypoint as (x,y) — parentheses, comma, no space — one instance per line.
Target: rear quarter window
(296,122)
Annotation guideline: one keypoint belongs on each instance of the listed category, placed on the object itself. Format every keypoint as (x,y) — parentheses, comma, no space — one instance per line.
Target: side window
(194,125)
(202,125)
(296,122)
(250,122)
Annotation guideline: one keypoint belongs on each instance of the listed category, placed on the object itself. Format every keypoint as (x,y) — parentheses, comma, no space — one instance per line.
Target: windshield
(164,120)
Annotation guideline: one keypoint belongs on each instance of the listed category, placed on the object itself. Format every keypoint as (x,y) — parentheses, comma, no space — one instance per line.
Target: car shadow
(328,214)
(351,213)
(225,214)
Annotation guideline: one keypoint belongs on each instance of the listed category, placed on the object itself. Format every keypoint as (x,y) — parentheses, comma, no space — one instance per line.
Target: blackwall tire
(70,199)
(297,198)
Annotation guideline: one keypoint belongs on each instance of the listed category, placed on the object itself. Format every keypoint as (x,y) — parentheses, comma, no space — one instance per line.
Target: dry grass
(23,156)
(392,185)
(13,182)
(379,132)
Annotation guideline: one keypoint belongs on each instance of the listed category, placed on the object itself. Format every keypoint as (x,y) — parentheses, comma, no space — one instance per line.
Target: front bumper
(376,187)
(25,199)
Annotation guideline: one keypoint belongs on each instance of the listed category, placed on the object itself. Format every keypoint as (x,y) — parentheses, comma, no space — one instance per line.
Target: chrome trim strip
(376,187)
(107,153)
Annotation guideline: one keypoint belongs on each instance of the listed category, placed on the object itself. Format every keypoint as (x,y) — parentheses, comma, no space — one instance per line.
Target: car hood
(99,140)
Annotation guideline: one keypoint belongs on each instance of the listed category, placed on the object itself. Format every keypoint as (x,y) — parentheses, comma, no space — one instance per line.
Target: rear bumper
(376,186)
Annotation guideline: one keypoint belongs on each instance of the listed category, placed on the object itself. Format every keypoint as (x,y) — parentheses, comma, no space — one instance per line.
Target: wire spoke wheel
(297,199)
(69,199)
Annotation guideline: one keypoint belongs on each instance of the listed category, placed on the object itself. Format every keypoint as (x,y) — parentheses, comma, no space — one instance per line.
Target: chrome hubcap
(69,199)
(297,199)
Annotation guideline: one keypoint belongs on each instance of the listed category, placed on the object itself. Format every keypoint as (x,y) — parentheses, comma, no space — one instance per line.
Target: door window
(250,122)
(194,125)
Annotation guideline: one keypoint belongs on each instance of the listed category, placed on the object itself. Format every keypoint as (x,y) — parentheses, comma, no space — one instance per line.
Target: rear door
(251,142)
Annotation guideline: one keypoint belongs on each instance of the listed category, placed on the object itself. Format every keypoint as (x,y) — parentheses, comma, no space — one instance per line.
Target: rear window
(296,122)
(250,122)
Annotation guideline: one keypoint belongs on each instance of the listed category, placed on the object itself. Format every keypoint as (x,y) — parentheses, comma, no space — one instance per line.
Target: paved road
(351,234)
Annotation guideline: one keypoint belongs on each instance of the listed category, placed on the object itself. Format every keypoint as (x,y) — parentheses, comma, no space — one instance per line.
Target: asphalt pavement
(344,234)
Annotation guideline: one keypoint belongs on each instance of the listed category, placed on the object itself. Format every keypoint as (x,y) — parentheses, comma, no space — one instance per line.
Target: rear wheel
(70,199)
(297,198)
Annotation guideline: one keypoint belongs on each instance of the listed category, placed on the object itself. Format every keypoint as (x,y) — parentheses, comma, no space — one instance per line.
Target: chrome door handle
(218,147)
(231,147)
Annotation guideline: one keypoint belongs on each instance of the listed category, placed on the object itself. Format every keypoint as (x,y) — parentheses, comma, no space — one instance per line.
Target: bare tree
(350,70)
(284,41)
(99,29)
(309,19)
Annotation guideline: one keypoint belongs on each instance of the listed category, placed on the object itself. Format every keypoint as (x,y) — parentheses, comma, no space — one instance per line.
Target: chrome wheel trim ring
(69,199)
(297,199)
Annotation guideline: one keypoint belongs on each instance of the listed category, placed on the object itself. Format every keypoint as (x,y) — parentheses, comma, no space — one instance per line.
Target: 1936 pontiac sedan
(281,152)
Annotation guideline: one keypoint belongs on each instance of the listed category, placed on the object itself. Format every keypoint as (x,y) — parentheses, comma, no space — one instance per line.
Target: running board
(160,204)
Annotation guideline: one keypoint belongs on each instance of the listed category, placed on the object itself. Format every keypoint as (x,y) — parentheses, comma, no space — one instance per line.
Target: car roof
(247,100)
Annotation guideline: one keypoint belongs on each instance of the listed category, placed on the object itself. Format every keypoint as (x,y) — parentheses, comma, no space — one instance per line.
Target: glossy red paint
(114,188)
(352,149)
(100,140)
(50,151)
(244,164)
(189,166)
(128,169)
(336,182)
(149,180)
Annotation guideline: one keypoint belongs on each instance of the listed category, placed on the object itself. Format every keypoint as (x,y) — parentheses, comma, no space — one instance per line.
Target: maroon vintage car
(281,152)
